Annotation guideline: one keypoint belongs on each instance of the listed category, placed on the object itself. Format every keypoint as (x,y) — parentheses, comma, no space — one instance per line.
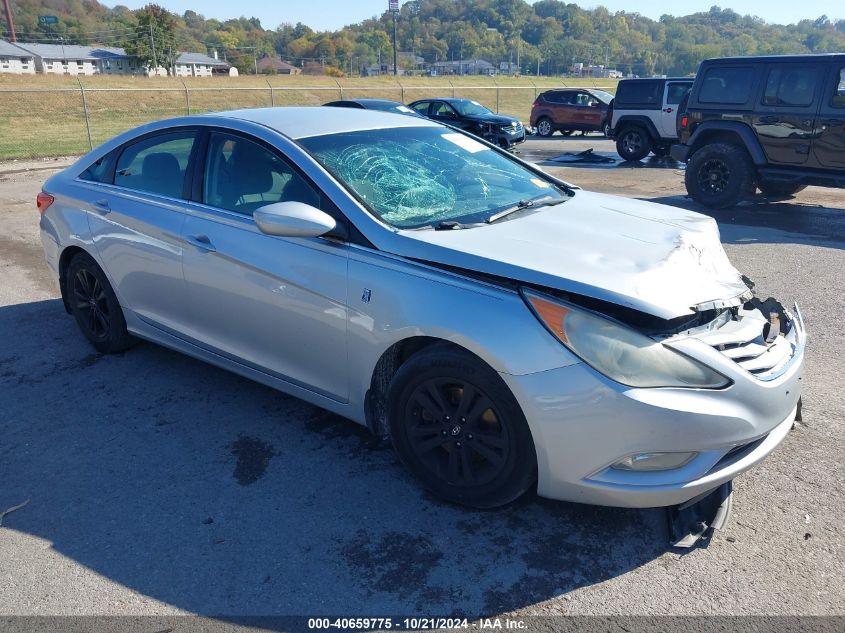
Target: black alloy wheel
(456,432)
(456,426)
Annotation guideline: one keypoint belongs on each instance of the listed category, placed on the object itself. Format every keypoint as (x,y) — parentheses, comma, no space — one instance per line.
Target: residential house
(72,59)
(15,60)
(270,64)
(197,65)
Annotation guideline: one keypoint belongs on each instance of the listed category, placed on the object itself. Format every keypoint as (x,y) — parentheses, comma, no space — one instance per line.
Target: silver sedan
(506,329)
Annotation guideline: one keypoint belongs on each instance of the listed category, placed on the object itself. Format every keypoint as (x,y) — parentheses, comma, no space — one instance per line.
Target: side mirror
(292,219)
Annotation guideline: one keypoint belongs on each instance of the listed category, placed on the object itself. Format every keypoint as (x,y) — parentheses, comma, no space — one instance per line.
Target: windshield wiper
(519,206)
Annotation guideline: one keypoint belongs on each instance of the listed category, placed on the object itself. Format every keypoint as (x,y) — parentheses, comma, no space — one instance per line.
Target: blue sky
(333,14)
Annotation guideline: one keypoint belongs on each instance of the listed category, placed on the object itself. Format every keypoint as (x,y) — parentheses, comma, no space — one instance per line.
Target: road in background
(159,484)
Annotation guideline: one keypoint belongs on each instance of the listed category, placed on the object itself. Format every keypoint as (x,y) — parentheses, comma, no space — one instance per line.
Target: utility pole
(395,67)
(12,37)
(153,45)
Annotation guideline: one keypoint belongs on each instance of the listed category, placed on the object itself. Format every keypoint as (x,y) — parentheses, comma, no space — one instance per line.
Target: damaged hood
(660,260)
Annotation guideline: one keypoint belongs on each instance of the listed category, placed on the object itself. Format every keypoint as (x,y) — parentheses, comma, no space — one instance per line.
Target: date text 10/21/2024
(414,624)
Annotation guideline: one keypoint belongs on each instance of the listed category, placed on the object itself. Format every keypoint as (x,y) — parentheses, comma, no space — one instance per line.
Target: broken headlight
(618,351)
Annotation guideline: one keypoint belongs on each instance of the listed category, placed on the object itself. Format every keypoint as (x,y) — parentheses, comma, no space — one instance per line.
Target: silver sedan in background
(506,329)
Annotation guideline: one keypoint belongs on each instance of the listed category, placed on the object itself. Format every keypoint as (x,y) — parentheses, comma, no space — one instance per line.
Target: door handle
(668,110)
(769,119)
(201,242)
(102,206)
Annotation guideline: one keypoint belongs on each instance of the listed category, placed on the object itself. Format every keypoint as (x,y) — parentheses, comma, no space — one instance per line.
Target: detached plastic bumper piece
(696,519)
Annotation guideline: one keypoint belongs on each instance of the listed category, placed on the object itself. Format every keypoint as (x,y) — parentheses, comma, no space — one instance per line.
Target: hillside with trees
(549,35)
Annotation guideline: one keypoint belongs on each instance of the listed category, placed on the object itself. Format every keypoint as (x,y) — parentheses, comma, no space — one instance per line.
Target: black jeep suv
(775,123)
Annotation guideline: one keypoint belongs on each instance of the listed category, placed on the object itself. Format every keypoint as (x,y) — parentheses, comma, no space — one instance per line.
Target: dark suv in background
(775,123)
(569,110)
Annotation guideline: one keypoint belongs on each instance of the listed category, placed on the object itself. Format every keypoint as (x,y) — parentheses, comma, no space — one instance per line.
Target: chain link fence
(48,122)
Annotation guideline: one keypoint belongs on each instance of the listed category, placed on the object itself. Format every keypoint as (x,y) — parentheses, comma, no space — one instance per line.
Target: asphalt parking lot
(161,485)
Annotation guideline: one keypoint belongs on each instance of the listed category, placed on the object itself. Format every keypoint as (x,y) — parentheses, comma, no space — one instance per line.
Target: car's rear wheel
(95,306)
(605,128)
(458,428)
(633,143)
(779,189)
(544,127)
(718,175)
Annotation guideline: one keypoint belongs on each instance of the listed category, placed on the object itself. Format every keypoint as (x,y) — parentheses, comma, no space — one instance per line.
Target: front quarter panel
(391,299)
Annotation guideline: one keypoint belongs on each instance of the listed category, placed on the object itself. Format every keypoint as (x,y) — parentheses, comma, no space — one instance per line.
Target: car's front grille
(747,340)
(512,129)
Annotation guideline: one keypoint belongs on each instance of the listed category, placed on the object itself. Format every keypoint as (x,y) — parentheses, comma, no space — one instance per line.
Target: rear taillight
(42,201)
(684,121)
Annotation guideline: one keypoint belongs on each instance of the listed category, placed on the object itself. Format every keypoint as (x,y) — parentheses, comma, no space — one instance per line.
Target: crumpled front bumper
(582,423)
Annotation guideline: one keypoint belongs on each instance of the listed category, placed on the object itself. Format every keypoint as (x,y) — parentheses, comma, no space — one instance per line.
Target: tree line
(548,36)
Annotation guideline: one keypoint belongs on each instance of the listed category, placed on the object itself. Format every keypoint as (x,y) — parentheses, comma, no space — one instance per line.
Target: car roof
(446,99)
(303,122)
(690,79)
(758,59)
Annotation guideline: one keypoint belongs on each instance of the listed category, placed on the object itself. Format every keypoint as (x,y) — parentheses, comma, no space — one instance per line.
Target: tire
(95,306)
(441,403)
(605,129)
(661,151)
(545,127)
(718,175)
(633,143)
(777,189)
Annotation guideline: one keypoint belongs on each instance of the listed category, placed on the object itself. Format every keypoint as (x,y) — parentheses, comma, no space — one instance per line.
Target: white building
(72,59)
(198,65)
(15,60)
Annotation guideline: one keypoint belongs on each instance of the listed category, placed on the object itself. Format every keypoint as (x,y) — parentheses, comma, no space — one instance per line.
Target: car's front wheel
(95,306)
(544,127)
(458,428)
(718,175)
(633,144)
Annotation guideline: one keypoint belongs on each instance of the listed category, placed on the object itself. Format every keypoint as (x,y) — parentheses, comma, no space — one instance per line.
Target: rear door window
(676,92)
(727,84)
(560,98)
(422,107)
(156,164)
(641,93)
(792,85)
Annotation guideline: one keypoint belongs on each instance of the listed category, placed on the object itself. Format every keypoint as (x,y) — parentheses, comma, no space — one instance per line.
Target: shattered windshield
(469,108)
(414,177)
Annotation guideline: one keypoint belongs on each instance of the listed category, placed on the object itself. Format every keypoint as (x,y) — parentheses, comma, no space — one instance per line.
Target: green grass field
(44,115)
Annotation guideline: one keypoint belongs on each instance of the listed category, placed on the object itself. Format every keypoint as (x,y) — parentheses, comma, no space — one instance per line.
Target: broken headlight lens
(618,351)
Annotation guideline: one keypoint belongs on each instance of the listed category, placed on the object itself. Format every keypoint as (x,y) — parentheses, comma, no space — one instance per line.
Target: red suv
(571,110)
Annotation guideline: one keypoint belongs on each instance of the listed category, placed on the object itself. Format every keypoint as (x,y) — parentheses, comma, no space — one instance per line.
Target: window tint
(241,176)
(156,164)
(639,92)
(422,108)
(838,100)
(676,92)
(564,98)
(729,84)
(791,85)
(442,109)
(99,171)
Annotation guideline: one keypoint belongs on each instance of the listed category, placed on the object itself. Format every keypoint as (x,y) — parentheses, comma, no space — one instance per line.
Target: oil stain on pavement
(253,457)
